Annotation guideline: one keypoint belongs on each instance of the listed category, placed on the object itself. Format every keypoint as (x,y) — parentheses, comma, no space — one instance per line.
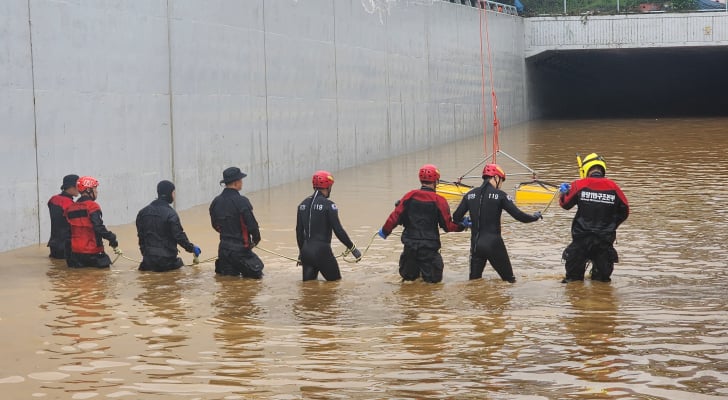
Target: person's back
(59,240)
(83,236)
(421,213)
(486,204)
(225,213)
(601,206)
(317,221)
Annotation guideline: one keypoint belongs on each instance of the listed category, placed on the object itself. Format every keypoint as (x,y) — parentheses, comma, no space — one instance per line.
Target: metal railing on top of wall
(535,8)
(487,5)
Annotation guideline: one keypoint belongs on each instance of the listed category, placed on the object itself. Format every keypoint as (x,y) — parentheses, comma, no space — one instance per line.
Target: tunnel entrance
(627,83)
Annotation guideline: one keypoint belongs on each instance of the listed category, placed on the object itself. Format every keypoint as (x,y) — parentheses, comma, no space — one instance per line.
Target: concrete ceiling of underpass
(614,83)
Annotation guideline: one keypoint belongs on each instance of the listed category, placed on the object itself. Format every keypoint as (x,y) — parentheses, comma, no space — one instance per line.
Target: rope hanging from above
(493,97)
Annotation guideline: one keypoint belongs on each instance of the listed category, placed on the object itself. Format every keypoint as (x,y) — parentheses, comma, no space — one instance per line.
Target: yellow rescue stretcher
(452,190)
(535,192)
(526,192)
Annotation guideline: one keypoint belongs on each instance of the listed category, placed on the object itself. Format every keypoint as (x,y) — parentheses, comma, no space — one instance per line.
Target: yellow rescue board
(535,192)
(526,192)
(452,190)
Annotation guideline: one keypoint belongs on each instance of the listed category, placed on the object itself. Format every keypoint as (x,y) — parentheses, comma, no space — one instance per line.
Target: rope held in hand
(195,260)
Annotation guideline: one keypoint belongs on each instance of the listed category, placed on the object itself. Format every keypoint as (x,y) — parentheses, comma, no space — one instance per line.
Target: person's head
(494,174)
(87,186)
(429,175)
(323,181)
(69,184)
(593,165)
(165,191)
(233,178)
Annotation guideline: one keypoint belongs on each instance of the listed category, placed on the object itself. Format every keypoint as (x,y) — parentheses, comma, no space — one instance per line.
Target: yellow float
(535,191)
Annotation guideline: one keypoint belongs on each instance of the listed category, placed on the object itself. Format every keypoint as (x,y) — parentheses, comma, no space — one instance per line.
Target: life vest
(60,230)
(83,236)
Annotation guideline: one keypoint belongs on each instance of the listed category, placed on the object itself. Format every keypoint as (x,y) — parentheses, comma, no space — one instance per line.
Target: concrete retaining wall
(138,91)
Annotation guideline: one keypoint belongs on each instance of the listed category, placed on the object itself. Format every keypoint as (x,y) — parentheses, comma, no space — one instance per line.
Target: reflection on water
(658,331)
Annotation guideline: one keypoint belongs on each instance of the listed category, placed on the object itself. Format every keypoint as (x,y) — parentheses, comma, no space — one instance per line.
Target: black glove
(356,253)
(113,243)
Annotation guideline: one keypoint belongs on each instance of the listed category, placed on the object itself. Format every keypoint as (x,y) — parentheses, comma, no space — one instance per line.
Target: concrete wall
(142,90)
(625,31)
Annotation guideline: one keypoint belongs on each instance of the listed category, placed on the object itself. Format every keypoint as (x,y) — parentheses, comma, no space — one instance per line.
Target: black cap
(69,181)
(232,174)
(164,190)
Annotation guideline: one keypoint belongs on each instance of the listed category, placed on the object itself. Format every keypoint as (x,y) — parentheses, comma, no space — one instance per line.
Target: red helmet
(322,180)
(494,170)
(86,182)
(429,173)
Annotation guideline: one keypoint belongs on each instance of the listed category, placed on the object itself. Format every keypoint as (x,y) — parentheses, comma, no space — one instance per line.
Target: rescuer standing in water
(60,239)
(87,228)
(485,205)
(422,212)
(601,208)
(231,215)
(317,218)
(160,231)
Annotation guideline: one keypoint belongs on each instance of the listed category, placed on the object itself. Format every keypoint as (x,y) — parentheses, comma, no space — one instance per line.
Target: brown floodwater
(659,330)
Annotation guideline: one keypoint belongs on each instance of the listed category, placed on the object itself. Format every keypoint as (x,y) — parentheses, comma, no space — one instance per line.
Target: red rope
(493,97)
(482,84)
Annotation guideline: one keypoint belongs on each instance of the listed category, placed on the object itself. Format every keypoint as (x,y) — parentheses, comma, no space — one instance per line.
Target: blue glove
(537,214)
(564,187)
(196,251)
(466,222)
(382,234)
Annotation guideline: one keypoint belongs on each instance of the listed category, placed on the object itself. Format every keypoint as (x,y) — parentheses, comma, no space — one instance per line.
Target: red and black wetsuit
(317,218)
(87,230)
(231,215)
(421,212)
(60,238)
(485,205)
(160,231)
(602,207)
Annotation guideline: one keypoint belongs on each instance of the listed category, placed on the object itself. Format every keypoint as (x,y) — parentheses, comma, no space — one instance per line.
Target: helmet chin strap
(497,180)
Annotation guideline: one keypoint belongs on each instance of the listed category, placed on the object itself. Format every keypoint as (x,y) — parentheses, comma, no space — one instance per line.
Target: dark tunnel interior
(629,83)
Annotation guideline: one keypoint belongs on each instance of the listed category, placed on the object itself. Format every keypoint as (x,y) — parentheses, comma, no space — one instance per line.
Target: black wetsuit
(602,207)
(422,212)
(317,218)
(160,231)
(485,205)
(231,214)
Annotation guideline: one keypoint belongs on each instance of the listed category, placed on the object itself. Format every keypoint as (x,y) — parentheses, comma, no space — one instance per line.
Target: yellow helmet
(591,161)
